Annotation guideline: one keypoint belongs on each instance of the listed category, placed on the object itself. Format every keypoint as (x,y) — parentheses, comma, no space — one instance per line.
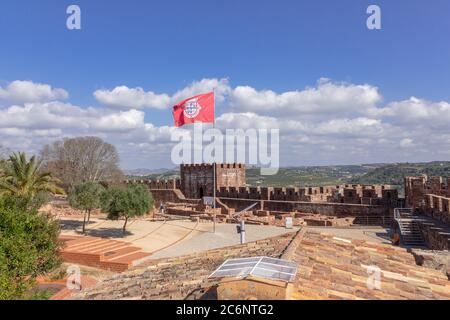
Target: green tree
(22,178)
(28,248)
(86,196)
(121,202)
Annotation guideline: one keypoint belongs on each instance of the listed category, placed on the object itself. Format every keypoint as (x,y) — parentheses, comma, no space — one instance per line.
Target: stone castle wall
(158,184)
(437,207)
(416,189)
(323,208)
(429,196)
(197,180)
(349,194)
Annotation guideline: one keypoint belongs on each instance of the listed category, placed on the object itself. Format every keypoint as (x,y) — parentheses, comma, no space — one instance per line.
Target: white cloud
(327,98)
(329,123)
(416,111)
(28,91)
(122,121)
(246,120)
(407,143)
(138,98)
(67,116)
(220,86)
(361,127)
(124,97)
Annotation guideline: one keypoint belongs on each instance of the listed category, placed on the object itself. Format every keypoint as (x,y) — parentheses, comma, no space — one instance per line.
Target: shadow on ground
(107,233)
(73,224)
(383,235)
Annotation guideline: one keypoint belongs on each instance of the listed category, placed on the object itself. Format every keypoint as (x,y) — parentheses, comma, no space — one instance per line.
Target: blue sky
(282,46)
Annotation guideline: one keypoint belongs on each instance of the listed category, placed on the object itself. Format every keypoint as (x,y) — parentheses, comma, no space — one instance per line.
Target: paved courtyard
(169,238)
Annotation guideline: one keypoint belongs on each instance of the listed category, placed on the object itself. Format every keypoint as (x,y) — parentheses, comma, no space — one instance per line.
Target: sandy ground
(225,235)
(169,238)
(180,237)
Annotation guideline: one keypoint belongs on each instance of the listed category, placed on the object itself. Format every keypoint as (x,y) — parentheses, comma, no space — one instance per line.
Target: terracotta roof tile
(338,268)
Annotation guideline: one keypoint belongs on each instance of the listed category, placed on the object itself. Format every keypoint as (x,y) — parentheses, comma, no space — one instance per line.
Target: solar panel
(263,267)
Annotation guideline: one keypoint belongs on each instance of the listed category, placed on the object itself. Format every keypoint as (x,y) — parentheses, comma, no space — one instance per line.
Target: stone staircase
(101,253)
(411,235)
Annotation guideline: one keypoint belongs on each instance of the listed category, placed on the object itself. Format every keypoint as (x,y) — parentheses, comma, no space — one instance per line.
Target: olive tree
(86,197)
(127,202)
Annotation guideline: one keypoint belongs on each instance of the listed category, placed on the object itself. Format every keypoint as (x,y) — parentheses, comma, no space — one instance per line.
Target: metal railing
(372,221)
(400,213)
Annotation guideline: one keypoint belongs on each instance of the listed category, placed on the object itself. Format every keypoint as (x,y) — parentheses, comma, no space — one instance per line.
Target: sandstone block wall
(368,195)
(429,196)
(416,189)
(437,207)
(182,277)
(436,237)
(330,209)
(197,179)
(158,184)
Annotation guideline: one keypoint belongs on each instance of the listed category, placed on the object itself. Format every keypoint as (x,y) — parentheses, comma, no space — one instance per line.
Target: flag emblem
(199,108)
(192,108)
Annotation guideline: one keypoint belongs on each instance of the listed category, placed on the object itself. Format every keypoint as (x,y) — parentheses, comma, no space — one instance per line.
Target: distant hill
(395,173)
(308,176)
(378,173)
(289,176)
(157,175)
(142,172)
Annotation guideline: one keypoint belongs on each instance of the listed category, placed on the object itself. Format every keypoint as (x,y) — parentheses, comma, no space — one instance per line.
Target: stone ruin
(326,205)
(430,198)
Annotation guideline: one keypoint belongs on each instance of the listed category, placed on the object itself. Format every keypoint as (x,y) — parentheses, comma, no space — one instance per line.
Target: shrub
(28,248)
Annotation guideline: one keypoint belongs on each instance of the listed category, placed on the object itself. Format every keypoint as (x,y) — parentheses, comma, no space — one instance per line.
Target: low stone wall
(167,195)
(437,207)
(436,237)
(438,260)
(329,209)
(183,277)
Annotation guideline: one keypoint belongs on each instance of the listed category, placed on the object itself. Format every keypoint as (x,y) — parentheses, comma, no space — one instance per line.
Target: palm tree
(22,178)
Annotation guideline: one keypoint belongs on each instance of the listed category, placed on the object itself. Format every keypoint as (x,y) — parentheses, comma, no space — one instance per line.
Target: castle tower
(197,179)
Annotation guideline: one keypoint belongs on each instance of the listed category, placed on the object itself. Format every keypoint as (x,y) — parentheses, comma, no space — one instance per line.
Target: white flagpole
(214,166)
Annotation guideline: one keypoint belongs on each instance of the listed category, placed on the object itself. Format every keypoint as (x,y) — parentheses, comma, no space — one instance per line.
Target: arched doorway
(201,192)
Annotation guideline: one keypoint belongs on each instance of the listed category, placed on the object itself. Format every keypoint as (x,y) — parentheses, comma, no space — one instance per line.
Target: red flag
(195,109)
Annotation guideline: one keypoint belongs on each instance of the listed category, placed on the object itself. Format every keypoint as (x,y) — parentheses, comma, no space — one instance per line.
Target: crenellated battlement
(417,187)
(171,184)
(349,194)
(197,181)
(353,194)
(430,196)
(202,166)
